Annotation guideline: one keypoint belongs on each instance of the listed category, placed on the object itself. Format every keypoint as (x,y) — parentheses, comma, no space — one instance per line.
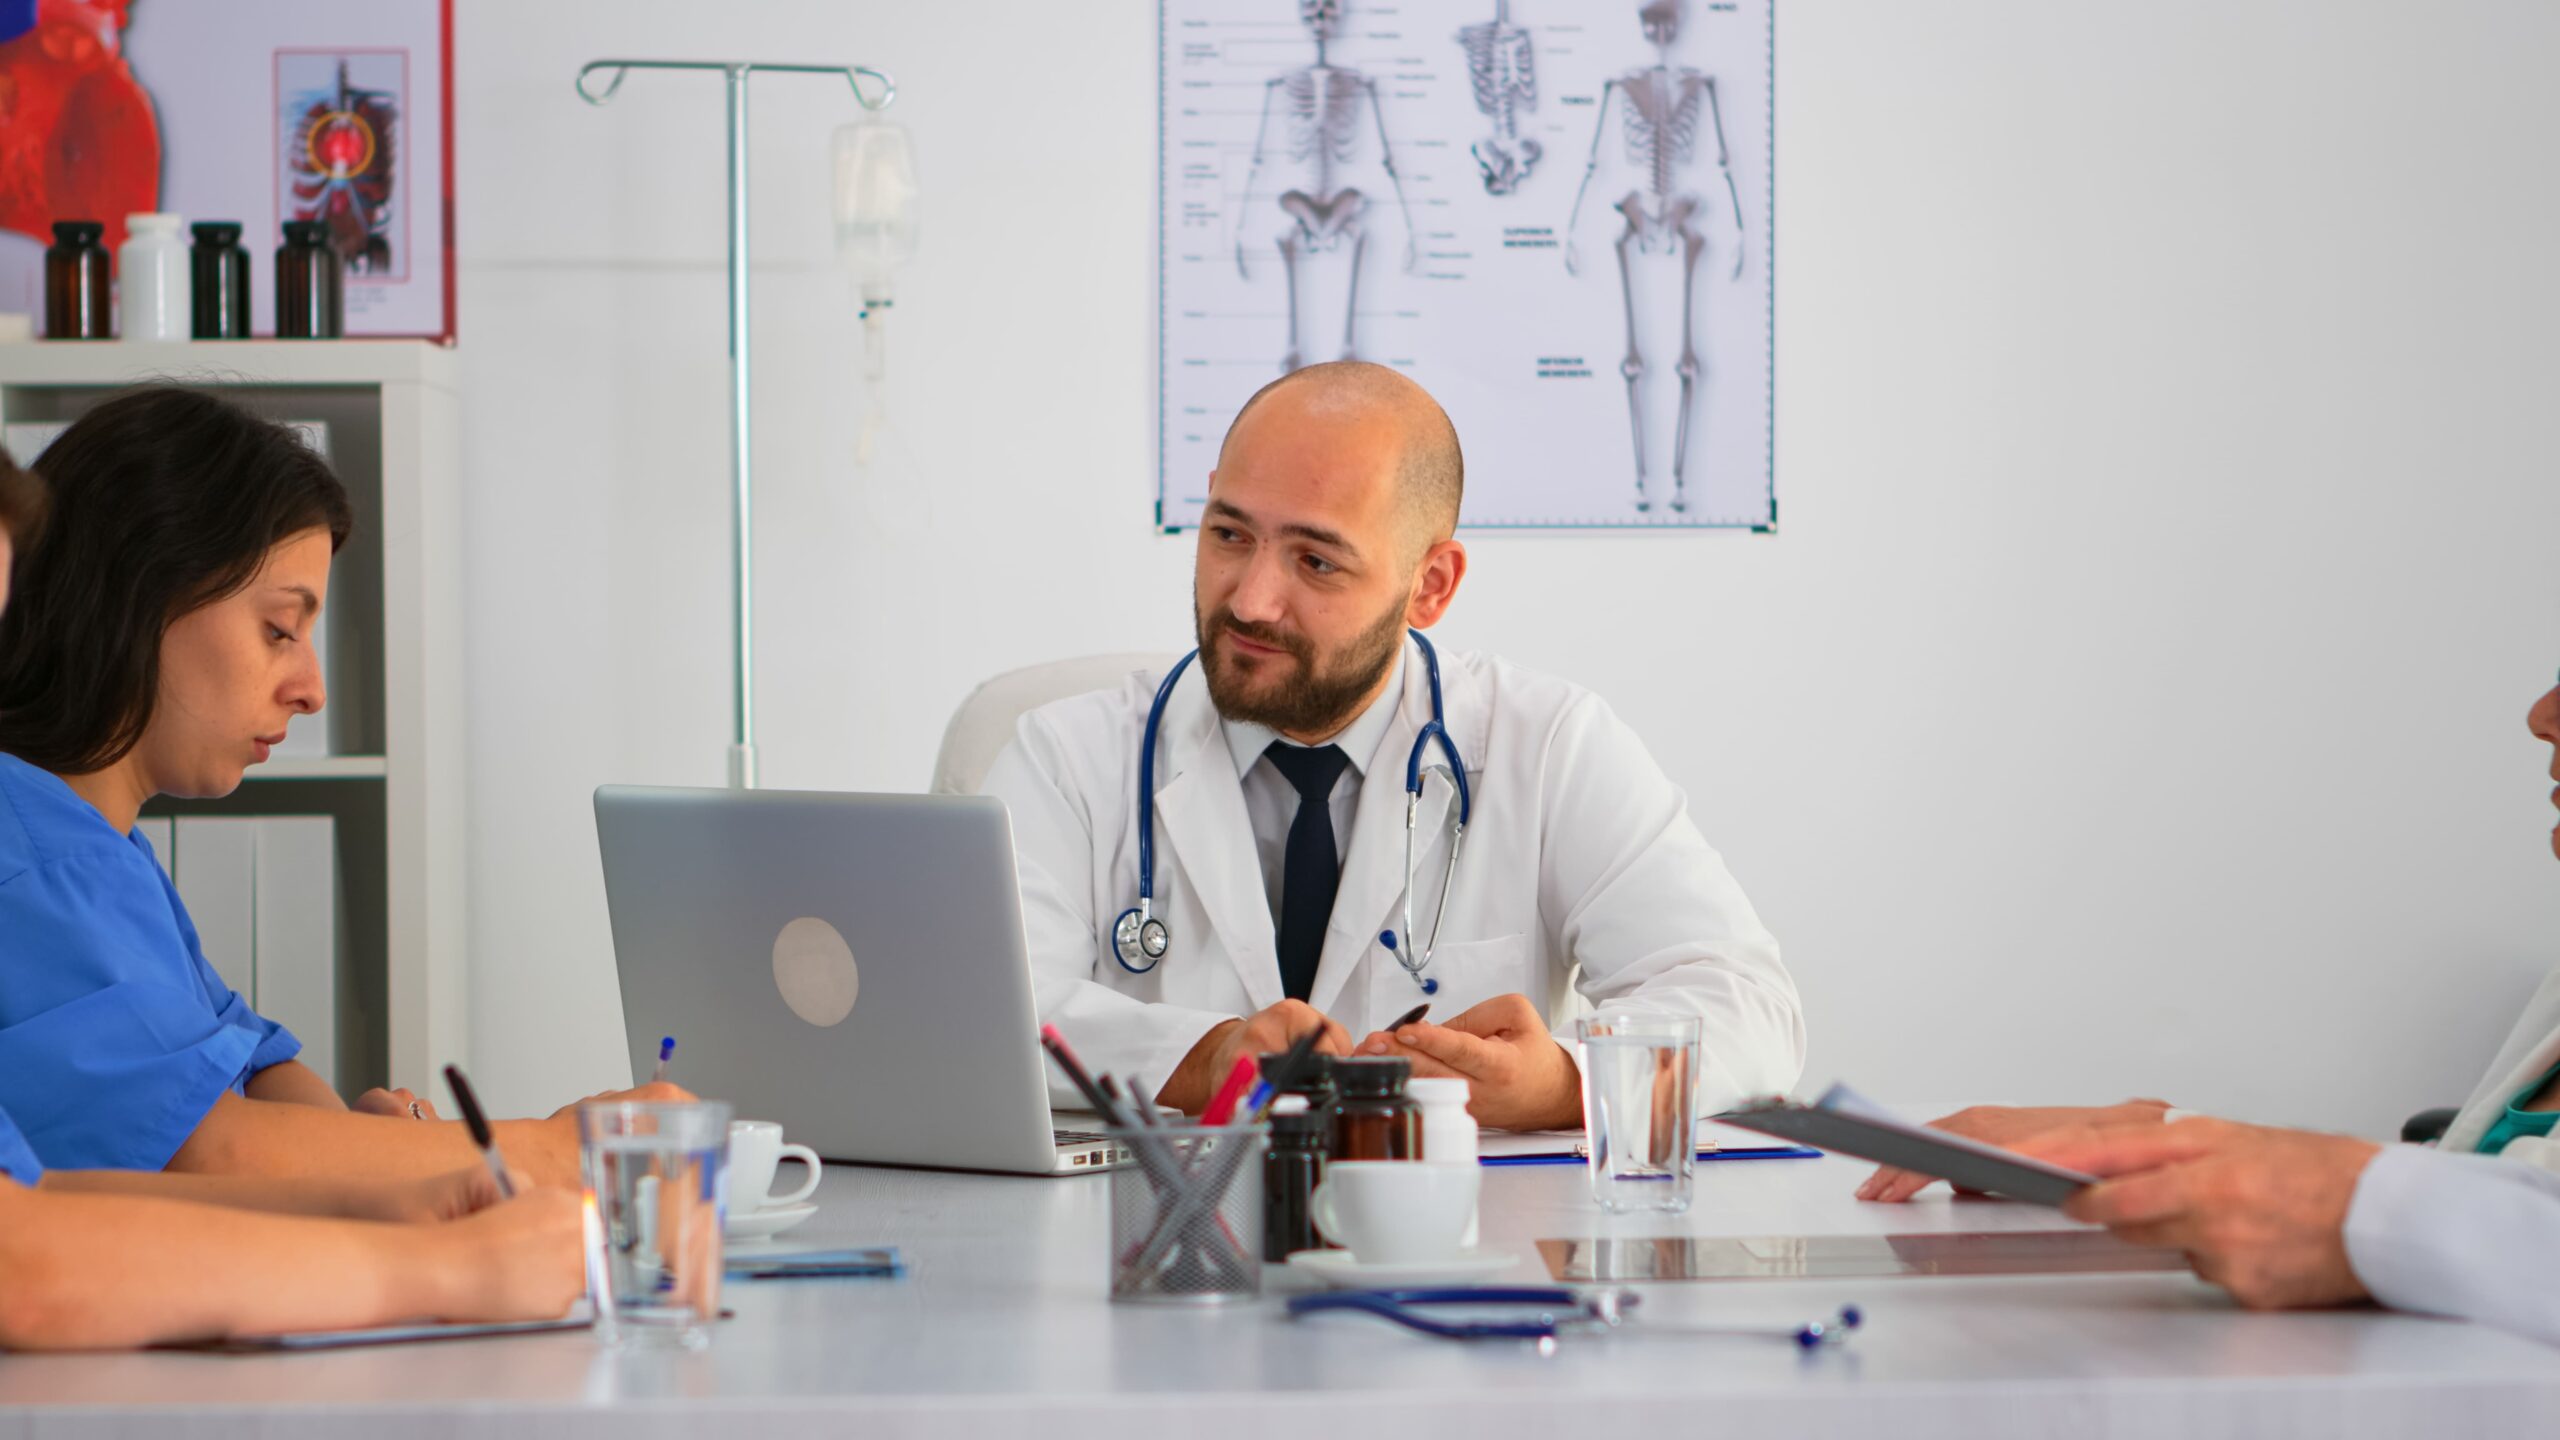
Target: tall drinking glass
(1639,1097)
(657,1193)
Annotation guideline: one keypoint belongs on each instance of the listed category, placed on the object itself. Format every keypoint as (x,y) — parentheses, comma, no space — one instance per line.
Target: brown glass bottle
(1314,1080)
(220,269)
(76,271)
(1373,1119)
(311,296)
(1292,1168)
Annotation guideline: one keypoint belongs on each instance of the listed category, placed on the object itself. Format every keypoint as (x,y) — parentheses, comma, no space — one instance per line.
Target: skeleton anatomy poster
(1555,214)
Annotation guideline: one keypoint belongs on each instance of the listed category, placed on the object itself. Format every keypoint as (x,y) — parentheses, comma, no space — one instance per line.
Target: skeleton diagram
(1663,105)
(1503,67)
(1320,109)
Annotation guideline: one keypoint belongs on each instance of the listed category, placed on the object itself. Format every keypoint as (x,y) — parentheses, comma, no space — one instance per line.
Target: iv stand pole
(742,748)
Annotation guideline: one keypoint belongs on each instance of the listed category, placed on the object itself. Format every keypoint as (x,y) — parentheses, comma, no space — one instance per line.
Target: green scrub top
(2517,1123)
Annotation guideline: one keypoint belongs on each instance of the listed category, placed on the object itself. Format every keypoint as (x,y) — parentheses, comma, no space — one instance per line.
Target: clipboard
(578,1319)
(1844,1124)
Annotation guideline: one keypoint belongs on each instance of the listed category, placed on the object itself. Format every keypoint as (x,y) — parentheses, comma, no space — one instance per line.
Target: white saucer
(771,1220)
(1338,1269)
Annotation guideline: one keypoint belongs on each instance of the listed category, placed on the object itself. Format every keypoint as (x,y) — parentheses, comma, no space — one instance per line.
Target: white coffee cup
(1396,1212)
(755,1149)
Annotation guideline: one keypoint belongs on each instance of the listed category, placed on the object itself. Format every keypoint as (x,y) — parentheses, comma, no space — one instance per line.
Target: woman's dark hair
(21,505)
(163,500)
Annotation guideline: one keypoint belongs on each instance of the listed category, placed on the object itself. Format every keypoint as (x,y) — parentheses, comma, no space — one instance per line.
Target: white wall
(2131,703)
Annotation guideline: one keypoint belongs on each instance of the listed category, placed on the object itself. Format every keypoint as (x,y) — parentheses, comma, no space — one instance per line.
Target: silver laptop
(851,966)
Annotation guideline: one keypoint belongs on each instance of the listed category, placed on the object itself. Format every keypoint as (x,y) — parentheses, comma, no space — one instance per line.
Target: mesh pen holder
(1186,1214)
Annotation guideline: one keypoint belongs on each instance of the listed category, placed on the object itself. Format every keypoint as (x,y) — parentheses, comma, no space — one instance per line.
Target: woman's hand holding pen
(519,1260)
(433,1200)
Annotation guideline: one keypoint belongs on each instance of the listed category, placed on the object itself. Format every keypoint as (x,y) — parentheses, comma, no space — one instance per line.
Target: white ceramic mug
(1396,1212)
(755,1149)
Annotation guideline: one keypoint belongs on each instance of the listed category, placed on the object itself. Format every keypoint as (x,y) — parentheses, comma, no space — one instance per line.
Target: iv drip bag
(875,167)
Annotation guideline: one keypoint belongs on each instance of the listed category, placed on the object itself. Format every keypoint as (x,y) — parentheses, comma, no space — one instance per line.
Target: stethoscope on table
(1138,936)
(1541,1313)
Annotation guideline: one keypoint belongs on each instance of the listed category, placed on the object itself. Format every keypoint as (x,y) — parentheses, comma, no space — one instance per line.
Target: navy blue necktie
(1312,868)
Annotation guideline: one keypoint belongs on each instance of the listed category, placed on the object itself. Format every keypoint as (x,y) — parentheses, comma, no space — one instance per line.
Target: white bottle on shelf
(157,287)
(1448,1131)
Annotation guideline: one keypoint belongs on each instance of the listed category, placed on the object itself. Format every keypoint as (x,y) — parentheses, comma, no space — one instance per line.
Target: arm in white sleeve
(2476,1237)
(1646,907)
(1054,846)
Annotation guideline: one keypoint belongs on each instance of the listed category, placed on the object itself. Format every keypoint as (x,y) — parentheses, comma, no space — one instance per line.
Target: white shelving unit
(394,781)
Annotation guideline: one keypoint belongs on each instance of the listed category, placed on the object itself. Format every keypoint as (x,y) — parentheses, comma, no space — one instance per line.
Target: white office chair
(984,723)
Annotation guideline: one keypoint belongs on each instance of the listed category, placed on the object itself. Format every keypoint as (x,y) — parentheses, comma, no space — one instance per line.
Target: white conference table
(1001,1329)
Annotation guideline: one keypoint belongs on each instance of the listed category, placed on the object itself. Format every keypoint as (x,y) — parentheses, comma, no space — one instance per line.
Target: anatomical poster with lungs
(255,111)
(1554,214)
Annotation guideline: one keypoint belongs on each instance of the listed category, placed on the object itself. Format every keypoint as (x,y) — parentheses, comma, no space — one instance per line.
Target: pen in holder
(1186,1214)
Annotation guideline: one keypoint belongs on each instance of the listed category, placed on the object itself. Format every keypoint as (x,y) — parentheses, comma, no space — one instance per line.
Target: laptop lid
(851,966)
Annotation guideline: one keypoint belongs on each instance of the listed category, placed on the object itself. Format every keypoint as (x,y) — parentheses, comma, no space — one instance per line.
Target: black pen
(1410,1016)
(481,1135)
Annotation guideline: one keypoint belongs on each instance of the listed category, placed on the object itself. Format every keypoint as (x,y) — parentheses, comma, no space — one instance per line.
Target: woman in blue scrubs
(160,643)
(126,1258)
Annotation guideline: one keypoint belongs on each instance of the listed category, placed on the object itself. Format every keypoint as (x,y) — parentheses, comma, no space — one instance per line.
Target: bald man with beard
(1276,767)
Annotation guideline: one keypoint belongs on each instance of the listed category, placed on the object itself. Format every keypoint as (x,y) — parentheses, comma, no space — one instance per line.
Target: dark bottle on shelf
(311,294)
(1292,1168)
(76,271)
(1373,1119)
(220,271)
(1315,1081)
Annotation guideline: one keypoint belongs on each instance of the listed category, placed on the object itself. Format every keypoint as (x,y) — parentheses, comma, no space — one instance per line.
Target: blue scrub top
(16,1160)
(115,1036)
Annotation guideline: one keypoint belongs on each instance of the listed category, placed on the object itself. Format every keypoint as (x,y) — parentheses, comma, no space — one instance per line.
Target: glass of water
(657,1195)
(1639,1093)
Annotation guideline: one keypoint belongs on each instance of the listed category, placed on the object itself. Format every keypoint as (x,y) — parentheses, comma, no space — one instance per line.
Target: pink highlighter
(1231,1092)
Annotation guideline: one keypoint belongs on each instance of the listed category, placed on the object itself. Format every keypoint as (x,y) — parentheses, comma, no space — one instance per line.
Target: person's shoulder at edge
(43,821)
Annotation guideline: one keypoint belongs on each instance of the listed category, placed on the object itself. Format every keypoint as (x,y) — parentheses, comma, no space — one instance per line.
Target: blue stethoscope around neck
(1139,940)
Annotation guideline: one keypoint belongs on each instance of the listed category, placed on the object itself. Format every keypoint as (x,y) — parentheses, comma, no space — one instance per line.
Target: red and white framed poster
(255,111)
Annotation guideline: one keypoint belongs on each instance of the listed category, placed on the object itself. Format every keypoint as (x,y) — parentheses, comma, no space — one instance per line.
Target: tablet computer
(1845,1125)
